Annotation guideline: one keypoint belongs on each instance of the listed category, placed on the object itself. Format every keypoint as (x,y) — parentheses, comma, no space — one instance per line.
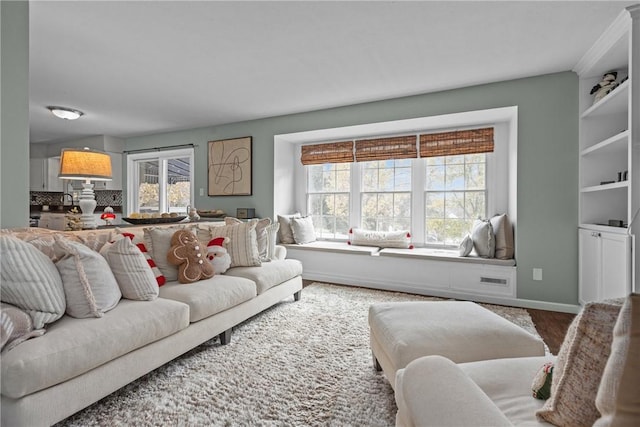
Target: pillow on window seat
(382,239)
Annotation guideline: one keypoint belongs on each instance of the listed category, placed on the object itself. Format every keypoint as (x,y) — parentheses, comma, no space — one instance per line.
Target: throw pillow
(541,386)
(158,242)
(579,366)
(89,285)
(242,246)
(16,326)
(95,241)
(46,244)
(381,239)
(503,231)
(272,237)
(190,256)
(302,229)
(30,281)
(286,234)
(261,232)
(466,246)
(483,238)
(618,398)
(133,273)
(217,254)
(160,279)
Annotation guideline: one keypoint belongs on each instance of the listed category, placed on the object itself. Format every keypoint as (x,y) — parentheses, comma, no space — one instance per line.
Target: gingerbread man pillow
(190,256)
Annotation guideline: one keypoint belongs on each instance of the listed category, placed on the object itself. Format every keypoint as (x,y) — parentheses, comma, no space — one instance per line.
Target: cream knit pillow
(579,366)
(618,398)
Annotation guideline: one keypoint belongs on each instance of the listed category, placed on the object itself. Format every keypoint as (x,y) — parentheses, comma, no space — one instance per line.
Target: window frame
(289,175)
(163,156)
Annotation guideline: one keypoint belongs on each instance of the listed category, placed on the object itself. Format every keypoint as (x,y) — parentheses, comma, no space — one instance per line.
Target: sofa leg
(225,337)
(297,295)
(376,364)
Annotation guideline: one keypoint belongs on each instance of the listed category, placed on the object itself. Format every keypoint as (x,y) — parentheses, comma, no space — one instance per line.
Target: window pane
(454,205)
(315,178)
(435,205)
(435,177)
(402,205)
(475,176)
(454,177)
(403,179)
(178,185)
(369,179)
(475,205)
(343,180)
(449,214)
(328,199)
(148,187)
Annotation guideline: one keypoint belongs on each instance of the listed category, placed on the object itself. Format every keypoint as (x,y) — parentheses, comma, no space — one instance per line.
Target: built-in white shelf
(603,187)
(605,228)
(614,143)
(615,102)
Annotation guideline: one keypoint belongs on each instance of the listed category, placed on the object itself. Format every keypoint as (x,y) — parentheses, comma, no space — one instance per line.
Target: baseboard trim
(442,293)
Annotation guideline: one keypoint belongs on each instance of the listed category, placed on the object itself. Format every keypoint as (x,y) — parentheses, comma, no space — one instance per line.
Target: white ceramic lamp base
(87,202)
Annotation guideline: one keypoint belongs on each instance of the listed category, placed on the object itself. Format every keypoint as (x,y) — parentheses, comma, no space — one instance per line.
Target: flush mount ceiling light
(65,113)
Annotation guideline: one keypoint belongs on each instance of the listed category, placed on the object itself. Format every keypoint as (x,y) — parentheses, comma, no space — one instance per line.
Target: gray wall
(547,200)
(14,121)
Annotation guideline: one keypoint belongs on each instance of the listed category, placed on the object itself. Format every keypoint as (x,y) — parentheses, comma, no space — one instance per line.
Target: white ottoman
(461,331)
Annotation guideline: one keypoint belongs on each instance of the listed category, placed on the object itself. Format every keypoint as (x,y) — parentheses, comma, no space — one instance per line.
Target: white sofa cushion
(72,346)
(507,383)
(270,274)
(210,296)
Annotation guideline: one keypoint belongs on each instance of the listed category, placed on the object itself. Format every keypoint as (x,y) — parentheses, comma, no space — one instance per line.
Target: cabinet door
(53,169)
(616,265)
(36,175)
(589,265)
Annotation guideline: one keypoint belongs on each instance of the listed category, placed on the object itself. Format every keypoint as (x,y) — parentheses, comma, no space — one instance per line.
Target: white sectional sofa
(81,360)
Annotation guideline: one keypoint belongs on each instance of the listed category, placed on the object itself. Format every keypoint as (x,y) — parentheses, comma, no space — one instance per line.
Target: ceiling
(145,67)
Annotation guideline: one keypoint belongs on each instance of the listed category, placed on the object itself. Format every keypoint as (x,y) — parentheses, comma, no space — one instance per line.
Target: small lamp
(88,165)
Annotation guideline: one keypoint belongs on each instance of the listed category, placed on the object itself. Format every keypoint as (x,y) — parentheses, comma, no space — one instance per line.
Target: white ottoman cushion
(458,330)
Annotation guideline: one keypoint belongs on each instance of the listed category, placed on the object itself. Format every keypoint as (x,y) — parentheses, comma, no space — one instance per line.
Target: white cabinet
(609,138)
(605,265)
(43,175)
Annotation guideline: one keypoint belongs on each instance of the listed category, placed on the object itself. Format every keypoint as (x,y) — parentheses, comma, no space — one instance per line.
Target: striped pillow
(160,279)
(272,236)
(132,271)
(30,281)
(89,285)
(243,244)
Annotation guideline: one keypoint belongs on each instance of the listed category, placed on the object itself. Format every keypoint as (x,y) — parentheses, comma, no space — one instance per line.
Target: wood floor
(551,325)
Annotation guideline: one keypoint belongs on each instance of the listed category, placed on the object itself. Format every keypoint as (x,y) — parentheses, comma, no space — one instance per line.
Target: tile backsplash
(103,198)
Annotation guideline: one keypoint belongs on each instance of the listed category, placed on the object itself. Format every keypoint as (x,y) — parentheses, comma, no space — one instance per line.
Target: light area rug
(305,363)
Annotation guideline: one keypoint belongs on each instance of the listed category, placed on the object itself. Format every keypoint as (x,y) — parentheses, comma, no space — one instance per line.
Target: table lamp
(88,165)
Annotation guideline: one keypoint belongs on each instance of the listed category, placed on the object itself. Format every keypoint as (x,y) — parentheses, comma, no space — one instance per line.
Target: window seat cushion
(331,246)
(425,253)
(445,255)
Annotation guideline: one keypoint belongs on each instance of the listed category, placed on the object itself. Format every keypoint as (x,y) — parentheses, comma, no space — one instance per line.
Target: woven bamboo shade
(455,143)
(334,152)
(398,147)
